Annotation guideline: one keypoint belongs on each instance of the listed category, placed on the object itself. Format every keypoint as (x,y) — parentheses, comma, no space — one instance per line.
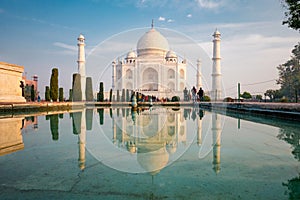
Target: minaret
(216,135)
(216,92)
(199,74)
(113,75)
(81,63)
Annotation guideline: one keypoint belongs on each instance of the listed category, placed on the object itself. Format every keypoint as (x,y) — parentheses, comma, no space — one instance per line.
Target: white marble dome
(131,54)
(171,54)
(152,40)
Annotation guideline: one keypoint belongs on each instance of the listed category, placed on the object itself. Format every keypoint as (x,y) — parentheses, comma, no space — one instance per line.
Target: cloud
(170,20)
(210,4)
(189,16)
(65,46)
(161,18)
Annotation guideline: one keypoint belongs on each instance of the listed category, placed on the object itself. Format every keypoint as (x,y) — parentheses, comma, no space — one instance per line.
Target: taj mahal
(154,69)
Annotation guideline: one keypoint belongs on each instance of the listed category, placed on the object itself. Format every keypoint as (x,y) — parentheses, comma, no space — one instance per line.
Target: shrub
(175,99)
(206,98)
(228,99)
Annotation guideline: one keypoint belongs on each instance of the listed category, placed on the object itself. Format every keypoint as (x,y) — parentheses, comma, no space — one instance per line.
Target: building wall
(169,78)
(10,77)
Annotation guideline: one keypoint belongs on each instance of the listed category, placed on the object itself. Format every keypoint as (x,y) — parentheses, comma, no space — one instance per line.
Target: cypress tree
(89,89)
(70,94)
(47,93)
(123,95)
(101,92)
(54,84)
(127,95)
(76,87)
(118,95)
(32,93)
(110,95)
(61,94)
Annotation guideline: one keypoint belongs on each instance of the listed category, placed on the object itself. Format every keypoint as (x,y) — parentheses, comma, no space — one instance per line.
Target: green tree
(89,89)
(54,84)
(127,95)
(273,94)
(110,95)
(246,95)
(123,95)
(76,87)
(47,93)
(61,94)
(289,75)
(70,94)
(292,13)
(259,97)
(118,95)
(101,92)
(32,93)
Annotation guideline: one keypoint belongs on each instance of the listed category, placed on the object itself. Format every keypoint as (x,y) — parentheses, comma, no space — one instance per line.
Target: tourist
(185,94)
(194,91)
(200,94)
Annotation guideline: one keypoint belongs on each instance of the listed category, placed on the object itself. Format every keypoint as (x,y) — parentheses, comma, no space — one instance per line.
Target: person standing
(194,91)
(200,94)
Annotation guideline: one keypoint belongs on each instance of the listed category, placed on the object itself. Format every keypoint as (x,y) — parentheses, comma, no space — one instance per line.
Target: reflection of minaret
(114,128)
(199,131)
(81,141)
(216,69)
(216,134)
(81,63)
(199,74)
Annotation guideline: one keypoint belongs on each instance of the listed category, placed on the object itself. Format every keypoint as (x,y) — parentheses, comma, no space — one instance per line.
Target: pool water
(154,153)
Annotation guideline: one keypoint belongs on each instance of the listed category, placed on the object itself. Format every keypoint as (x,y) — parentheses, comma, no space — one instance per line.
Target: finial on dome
(152,24)
(216,33)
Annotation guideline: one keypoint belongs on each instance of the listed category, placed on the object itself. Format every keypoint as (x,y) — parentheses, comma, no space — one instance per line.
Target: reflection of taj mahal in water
(154,135)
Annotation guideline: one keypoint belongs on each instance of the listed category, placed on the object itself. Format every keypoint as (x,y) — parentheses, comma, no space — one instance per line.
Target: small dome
(131,54)
(153,40)
(171,54)
(81,37)
(216,33)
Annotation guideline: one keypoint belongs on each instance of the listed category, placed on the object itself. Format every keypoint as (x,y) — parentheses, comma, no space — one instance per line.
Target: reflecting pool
(150,153)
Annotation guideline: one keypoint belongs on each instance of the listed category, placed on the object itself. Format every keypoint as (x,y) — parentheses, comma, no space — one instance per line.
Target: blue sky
(40,35)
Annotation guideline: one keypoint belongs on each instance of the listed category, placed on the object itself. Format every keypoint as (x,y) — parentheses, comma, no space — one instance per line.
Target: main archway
(150,80)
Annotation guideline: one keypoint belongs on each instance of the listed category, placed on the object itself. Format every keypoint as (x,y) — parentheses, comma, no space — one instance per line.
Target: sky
(41,35)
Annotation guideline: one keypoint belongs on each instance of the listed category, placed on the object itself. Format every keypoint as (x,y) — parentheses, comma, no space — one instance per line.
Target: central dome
(152,40)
